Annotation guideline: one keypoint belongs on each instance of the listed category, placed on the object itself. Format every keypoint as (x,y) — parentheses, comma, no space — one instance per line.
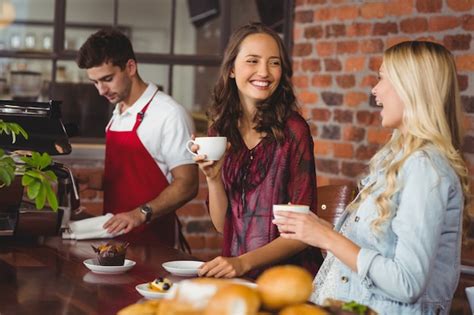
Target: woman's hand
(304,227)
(210,169)
(223,267)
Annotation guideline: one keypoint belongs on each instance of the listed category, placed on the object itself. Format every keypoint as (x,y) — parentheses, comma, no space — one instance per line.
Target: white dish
(144,290)
(94,266)
(183,267)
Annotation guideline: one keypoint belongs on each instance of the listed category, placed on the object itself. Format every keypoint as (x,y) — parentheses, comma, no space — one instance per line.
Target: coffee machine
(46,133)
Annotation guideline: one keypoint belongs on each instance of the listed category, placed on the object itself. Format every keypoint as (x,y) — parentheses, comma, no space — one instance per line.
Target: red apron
(131,179)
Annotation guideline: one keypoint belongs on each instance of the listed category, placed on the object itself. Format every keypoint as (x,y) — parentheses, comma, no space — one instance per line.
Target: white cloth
(164,131)
(89,228)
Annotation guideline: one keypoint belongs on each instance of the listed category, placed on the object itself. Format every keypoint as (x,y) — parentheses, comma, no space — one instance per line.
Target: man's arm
(183,188)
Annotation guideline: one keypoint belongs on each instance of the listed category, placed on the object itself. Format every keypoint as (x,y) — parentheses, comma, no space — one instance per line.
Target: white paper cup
(470,297)
(291,208)
(212,147)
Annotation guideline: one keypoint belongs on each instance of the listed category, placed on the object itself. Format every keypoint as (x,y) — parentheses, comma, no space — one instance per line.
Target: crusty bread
(303,309)
(234,299)
(281,286)
(146,308)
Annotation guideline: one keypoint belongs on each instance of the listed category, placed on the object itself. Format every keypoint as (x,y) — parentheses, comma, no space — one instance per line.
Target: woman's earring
(232,75)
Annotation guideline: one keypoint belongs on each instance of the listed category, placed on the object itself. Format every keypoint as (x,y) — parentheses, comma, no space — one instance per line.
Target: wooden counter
(47,276)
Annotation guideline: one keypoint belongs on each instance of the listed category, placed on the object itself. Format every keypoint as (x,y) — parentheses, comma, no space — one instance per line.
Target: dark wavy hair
(225,108)
(106,45)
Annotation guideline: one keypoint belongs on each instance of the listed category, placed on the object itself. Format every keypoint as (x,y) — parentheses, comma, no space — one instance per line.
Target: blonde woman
(397,247)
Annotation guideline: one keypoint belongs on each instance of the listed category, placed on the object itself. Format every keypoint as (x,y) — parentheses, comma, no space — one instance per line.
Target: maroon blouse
(270,173)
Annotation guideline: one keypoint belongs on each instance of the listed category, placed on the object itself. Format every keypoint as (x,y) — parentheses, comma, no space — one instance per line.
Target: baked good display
(111,254)
(160,285)
(149,307)
(281,286)
(338,307)
(234,299)
(303,309)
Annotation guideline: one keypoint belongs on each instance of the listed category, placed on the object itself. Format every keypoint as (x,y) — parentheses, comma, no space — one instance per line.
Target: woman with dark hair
(269,161)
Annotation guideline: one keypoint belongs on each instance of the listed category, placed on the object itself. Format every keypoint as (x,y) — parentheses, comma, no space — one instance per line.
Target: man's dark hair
(106,45)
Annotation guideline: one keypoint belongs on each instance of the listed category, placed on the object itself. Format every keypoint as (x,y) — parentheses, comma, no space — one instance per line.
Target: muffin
(111,254)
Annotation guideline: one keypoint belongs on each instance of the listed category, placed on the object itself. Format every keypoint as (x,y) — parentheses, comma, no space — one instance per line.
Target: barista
(148,172)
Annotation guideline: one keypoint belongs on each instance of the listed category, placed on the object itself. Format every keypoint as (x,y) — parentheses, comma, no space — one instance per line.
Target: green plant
(34,171)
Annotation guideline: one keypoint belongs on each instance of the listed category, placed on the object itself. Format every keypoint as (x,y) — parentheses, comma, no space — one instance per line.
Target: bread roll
(234,299)
(146,308)
(284,285)
(303,309)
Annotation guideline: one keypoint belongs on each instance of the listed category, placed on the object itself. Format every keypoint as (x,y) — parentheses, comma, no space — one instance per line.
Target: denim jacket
(413,266)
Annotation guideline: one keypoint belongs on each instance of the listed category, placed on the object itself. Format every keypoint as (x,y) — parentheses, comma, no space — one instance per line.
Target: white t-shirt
(164,131)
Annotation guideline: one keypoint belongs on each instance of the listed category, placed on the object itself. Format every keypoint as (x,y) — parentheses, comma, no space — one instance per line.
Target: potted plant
(30,172)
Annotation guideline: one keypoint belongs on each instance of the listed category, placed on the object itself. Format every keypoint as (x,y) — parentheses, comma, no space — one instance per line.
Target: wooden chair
(333,200)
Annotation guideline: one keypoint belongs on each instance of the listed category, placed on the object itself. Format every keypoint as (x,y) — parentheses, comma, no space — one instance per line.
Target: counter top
(47,276)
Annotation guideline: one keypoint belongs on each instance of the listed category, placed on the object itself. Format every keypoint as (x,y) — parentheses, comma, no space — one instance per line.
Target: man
(148,172)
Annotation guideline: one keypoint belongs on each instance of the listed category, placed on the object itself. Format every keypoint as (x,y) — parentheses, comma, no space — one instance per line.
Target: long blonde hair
(424,76)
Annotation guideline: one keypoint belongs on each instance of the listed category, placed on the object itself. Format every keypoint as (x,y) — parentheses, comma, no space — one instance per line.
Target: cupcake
(111,254)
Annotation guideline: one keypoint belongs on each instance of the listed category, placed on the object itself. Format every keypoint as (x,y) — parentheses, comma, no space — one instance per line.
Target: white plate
(94,266)
(144,290)
(183,267)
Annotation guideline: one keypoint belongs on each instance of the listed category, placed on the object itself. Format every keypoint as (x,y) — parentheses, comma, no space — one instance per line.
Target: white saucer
(144,290)
(183,267)
(94,266)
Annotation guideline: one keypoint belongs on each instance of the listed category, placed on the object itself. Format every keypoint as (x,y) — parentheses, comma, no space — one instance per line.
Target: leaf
(5,177)
(26,180)
(51,176)
(51,197)
(44,161)
(34,173)
(33,189)
(41,198)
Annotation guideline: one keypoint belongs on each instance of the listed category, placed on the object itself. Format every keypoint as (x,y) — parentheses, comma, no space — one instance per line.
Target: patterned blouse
(270,173)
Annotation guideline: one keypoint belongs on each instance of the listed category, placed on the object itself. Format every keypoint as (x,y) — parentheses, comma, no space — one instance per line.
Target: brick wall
(337,51)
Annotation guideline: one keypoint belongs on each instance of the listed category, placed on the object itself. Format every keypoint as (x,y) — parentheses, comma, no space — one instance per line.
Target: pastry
(111,254)
(160,285)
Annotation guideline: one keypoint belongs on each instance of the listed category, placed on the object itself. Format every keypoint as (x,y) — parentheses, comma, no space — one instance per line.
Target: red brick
(399,7)
(323,14)
(356,63)
(465,62)
(353,169)
(314,32)
(368,118)
(429,6)
(372,10)
(320,114)
(297,33)
(468,146)
(193,209)
(414,25)
(335,30)
(316,1)
(93,208)
(468,22)
(354,99)
(331,98)
(366,152)
(371,46)
(322,147)
(375,63)
(341,181)
(463,82)
(313,65)
(391,41)
(323,180)
(302,49)
(304,16)
(345,81)
(296,65)
(354,134)
(348,47)
(321,81)
(214,241)
(460,5)
(343,150)
(457,42)
(343,116)
(300,81)
(300,3)
(359,29)
(88,194)
(332,65)
(325,49)
(195,241)
(383,29)
(202,193)
(378,135)
(442,23)
(307,97)
(346,12)
(368,81)
(327,166)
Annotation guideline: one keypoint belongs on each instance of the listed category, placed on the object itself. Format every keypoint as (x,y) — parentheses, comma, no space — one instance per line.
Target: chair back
(333,200)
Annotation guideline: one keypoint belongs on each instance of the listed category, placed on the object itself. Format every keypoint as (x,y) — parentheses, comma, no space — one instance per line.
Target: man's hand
(223,267)
(124,222)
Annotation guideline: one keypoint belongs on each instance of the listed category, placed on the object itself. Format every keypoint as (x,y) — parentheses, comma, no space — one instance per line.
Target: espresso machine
(46,133)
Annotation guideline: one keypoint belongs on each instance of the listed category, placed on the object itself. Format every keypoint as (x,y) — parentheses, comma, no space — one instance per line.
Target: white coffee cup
(290,208)
(212,147)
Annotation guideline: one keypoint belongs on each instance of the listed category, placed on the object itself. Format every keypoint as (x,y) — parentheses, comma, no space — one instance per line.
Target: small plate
(94,266)
(183,267)
(144,290)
